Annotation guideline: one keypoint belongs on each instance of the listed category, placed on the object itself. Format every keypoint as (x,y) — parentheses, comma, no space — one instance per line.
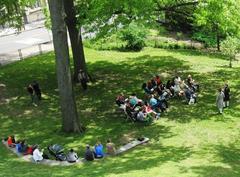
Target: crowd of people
(175,87)
(97,152)
(157,95)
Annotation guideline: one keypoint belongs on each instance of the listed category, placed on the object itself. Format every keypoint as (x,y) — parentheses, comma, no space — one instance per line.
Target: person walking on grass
(226,95)
(219,100)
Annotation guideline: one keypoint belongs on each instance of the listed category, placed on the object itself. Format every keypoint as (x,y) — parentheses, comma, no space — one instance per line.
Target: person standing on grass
(83,78)
(226,95)
(219,100)
(37,90)
(31,92)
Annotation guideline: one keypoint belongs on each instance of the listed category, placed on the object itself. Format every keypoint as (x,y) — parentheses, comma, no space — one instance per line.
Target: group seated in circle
(56,152)
(174,87)
(139,110)
(157,96)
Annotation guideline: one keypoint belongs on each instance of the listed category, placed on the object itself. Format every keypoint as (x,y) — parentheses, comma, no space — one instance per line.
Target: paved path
(27,41)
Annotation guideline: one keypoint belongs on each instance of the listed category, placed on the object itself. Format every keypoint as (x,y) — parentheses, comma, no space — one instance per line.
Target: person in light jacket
(219,101)
(37,155)
(72,156)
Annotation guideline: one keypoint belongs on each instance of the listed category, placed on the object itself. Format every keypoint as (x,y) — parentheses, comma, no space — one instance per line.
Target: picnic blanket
(29,158)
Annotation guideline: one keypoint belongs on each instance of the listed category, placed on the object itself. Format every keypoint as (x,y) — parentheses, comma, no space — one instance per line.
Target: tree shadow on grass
(230,164)
(188,52)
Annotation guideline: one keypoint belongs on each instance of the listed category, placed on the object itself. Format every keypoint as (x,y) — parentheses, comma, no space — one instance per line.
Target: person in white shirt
(37,155)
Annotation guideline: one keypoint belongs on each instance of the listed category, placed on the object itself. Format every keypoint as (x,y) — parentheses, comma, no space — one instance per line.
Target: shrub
(134,35)
(207,40)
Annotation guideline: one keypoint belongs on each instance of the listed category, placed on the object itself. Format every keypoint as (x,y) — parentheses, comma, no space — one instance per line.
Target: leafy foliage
(135,36)
(218,18)
(12,12)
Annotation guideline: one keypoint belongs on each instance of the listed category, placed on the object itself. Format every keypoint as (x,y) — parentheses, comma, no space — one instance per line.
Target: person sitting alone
(110,146)
(98,149)
(72,156)
(89,154)
(37,154)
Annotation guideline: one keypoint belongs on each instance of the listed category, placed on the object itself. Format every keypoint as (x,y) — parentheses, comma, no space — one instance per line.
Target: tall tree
(70,121)
(218,18)
(75,38)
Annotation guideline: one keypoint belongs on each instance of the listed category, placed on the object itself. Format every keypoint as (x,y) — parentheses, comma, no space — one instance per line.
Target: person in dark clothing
(83,78)
(37,90)
(31,92)
(226,95)
(89,154)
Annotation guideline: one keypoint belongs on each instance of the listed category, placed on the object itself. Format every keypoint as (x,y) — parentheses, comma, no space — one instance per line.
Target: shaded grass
(189,141)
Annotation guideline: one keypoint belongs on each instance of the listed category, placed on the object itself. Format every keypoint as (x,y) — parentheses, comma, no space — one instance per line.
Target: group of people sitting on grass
(174,87)
(157,95)
(56,151)
(138,110)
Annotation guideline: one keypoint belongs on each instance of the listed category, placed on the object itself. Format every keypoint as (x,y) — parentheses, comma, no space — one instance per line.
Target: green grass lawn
(189,141)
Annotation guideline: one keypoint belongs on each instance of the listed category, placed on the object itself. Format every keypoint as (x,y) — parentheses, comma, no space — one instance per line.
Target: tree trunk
(70,122)
(218,42)
(75,38)
(230,61)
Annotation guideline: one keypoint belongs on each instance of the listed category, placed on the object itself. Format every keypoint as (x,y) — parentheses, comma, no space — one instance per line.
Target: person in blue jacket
(98,150)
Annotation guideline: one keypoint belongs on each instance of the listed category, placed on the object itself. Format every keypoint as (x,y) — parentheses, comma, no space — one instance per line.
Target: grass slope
(189,141)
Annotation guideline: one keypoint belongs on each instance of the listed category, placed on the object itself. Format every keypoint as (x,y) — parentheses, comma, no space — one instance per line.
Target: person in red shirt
(11,141)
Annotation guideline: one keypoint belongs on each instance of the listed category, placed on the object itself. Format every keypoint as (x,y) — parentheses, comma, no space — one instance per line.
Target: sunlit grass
(189,141)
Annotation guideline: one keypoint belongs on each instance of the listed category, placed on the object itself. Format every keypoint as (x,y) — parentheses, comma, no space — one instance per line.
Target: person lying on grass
(72,156)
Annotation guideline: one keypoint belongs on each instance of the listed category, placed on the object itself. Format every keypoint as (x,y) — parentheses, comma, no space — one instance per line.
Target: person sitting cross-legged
(89,154)
(37,154)
(11,141)
(110,146)
(98,150)
(72,156)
